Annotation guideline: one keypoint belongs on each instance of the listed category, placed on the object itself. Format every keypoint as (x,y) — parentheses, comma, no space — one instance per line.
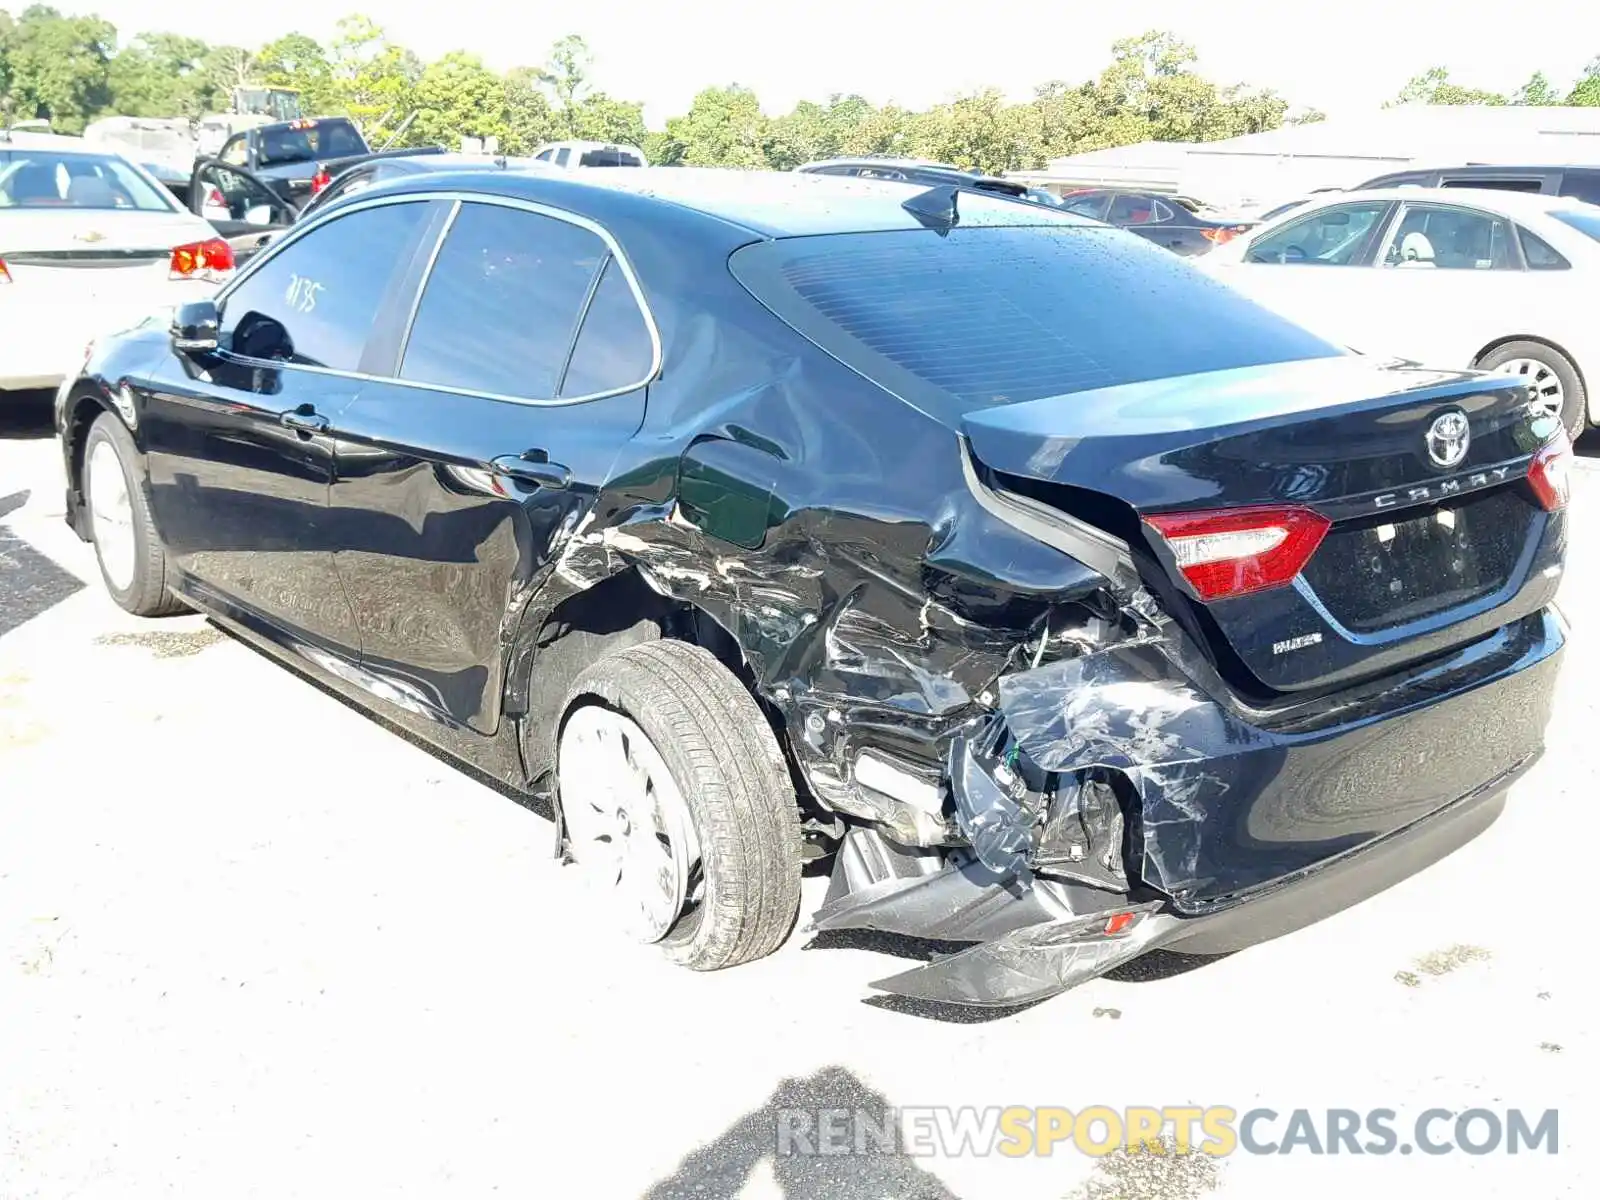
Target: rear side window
(1130,209)
(613,351)
(1499,185)
(609,158)
(1541,255)
(1090,205)
(1582,185)
(499,309)
(314,302)
(986,316)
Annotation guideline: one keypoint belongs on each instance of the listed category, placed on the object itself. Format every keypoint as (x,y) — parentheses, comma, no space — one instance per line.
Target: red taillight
(214,198)
(1234,551)
(320,180)
(5,274)
(1219,235)
(209,259)
(1549,473)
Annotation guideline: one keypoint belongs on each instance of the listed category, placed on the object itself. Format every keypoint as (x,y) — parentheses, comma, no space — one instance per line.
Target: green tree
(1587,90)
(298,61)
(1433,86)
(1537,91)
(458,96)
(59,67)
(600,118)
(724,127)
(530,121)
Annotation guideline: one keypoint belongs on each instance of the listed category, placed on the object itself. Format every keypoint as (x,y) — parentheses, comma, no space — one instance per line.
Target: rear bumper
(1234,854)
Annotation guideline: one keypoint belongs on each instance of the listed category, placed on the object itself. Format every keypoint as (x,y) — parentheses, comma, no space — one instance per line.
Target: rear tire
(132,560)
(728,769)
(1531,356)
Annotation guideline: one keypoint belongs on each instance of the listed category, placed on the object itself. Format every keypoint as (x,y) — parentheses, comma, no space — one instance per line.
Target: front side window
(1330,237)
(313,303)
(1090,204)
(66,179)
(234,152)
(501,305)
(562,155)
(1457,239)
(1498,185)
(229,195)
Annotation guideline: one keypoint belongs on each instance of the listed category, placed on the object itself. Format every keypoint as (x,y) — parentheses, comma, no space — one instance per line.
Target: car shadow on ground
(27,415)
(780,1139)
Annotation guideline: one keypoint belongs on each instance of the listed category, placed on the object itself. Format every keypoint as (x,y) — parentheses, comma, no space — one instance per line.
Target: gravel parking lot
(254,944)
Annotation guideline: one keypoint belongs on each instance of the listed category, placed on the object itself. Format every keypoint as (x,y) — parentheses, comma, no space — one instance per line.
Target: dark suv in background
(1581,183)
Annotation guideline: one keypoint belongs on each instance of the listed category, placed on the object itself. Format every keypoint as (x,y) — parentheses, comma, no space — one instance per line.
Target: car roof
(771,204)
(22,139)
(1496,200)
(873,160)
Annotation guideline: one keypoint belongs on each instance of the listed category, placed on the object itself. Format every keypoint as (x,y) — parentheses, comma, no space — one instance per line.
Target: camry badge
(1448,438)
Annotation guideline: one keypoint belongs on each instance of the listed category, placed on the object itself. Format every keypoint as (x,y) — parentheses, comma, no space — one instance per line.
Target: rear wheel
(133,562)
(678,805)
(1557,390)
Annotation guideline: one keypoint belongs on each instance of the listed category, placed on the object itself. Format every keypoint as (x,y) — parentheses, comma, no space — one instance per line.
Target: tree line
(72,70)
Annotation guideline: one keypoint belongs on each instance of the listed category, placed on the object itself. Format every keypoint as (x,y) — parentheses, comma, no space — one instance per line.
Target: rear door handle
(533,467)
(305,418)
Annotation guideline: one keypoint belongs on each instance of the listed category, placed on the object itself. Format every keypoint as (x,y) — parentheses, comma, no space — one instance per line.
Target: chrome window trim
(458,198)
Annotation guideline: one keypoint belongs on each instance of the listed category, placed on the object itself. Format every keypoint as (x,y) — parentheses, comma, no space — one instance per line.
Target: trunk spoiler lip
(1213,403)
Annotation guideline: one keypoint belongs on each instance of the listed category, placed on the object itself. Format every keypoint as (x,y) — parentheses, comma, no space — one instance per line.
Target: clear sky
(1336,55)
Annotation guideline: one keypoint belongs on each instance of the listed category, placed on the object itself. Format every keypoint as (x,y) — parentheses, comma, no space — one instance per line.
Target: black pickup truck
(263,177)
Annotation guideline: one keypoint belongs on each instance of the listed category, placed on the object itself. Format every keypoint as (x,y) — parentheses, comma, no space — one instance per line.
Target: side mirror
(194,327)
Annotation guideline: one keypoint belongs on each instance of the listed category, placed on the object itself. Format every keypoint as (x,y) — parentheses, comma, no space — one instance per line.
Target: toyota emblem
(1448,439)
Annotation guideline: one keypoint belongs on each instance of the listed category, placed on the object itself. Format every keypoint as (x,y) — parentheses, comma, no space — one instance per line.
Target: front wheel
(1557,390)
(678,805)
(133,562)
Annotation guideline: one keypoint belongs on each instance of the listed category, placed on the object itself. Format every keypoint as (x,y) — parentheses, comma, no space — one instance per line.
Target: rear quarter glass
(978,317)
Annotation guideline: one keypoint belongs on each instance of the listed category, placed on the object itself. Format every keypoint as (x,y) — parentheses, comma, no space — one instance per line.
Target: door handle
(305,419)
(533,466)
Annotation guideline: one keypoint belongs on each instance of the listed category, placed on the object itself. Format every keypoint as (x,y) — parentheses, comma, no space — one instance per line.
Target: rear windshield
(998,315)
(67,179)
(302,141)
(610,158)
(1583,220)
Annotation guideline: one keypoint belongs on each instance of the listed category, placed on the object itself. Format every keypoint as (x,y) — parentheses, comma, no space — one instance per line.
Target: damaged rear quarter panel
(823,523)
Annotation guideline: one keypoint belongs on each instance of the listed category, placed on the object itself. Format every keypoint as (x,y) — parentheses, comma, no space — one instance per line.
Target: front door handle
(533,466)
(305,419)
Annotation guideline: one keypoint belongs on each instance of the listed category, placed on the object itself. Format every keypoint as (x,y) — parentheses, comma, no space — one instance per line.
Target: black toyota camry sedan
(1069,603)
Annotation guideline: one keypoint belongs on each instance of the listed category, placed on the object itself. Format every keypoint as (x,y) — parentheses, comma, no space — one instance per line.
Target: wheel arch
(619,611)
(1556,346)
(85,402)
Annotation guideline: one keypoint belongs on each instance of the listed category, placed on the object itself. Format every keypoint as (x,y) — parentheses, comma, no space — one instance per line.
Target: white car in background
(572,155)
(89,243)
(1450,277)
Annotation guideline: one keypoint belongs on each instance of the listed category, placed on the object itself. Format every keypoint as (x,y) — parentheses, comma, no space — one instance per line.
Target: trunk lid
(82,257)
(1417,556)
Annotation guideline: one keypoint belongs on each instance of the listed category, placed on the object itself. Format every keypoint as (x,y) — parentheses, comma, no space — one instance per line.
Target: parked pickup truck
(263,177)
(298,158)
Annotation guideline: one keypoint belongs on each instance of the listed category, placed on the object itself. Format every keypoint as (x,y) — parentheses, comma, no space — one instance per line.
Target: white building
(1265,168)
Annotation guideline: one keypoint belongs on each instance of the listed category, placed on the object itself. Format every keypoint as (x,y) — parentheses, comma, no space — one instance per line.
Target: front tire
(132,560)
(676,796)
(1553,377)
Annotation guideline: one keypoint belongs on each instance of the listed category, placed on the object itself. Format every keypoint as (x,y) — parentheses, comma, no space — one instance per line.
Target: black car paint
(852,560)
(1182,231)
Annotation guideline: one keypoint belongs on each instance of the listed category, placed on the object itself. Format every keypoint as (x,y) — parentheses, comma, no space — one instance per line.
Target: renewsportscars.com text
(1216,1131)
